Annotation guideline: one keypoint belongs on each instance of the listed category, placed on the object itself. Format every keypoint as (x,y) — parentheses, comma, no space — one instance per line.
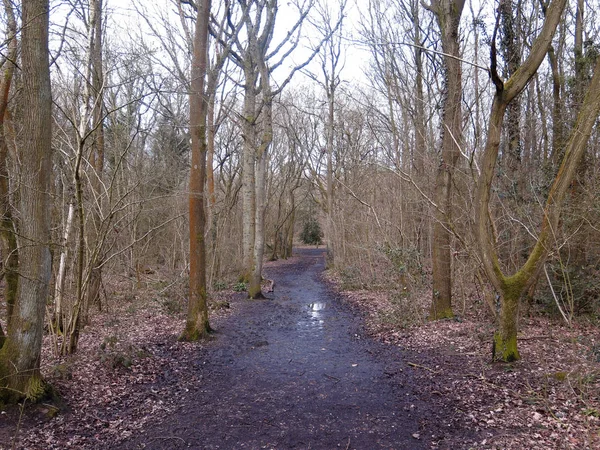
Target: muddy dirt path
(292,372)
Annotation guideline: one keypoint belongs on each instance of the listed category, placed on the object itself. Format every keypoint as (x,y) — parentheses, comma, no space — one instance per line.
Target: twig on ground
(166,438)
(419,366)
(337,380)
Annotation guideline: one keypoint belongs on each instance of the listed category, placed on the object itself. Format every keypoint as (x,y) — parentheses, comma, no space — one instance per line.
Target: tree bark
(254,289)
(7,225)
(197,325)
(248,175)
(20,356)
(96,158)
(447,13)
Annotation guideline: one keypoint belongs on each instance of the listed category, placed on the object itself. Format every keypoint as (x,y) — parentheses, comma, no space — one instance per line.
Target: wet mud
(294,372)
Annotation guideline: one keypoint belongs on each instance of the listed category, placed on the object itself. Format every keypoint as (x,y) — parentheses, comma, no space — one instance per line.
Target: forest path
(292,372)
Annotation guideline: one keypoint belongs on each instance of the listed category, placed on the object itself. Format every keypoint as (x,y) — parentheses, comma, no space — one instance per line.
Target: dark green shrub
(311,232)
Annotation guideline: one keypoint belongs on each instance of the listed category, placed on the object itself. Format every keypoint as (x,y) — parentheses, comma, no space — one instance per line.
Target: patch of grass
(591,412)
(240,287)
(109,341)
(219,285)
(560,376)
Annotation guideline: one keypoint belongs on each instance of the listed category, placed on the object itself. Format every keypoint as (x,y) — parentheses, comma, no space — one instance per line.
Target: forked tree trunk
(20,356)
(512,287)
(262,158)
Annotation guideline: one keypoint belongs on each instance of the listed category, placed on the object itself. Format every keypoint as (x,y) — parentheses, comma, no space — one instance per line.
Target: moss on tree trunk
(505,338)
(16,385)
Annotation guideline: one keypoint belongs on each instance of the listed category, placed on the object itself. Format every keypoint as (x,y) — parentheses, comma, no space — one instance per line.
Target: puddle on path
(317,307)
(316,318)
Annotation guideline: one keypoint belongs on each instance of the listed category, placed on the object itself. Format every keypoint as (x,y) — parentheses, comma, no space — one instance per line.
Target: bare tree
(86,121)
(331,64)
(512,287)
(96,158)
(258,61)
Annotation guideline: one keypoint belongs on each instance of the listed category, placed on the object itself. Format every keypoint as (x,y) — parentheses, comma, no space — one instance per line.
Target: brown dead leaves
(549,399)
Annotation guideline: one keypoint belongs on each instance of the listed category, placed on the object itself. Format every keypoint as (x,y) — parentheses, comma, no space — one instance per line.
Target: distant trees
(257,56)
(414,190)
(332,61)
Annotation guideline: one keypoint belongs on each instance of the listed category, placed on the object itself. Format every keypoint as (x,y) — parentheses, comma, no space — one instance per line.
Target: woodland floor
(311,368)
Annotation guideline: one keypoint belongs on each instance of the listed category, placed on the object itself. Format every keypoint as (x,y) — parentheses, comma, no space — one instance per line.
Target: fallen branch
(419,366)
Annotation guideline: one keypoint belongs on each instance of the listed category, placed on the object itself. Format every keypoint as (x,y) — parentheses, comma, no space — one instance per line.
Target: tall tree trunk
(420,150)
(254,287)
(248,176)
(262,157)
(581,239)
(20,356)
(447,14)
(212,219)
(330,130)
(7,225)
(96,158)
(197,325)
(210,176)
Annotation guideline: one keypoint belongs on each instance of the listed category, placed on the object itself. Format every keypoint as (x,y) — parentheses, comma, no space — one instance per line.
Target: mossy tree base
(441,313)
(255,287)
(505,348)
(193,333)
(256,295)
(15,388)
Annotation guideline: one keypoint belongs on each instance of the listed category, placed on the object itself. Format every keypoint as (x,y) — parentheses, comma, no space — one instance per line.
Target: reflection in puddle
(316,317)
